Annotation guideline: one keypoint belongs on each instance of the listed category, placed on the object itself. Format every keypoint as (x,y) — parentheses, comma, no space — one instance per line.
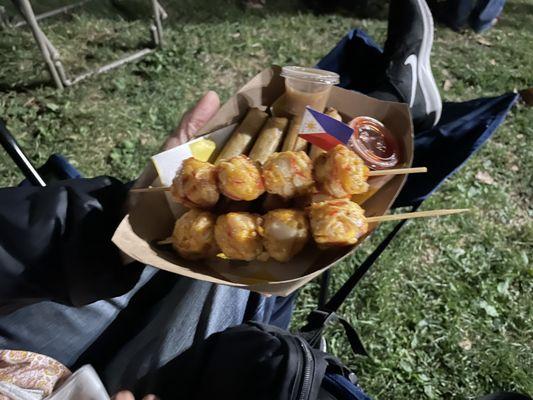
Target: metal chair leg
(158,14)
(4,19)
(324,288)
(26,10)
(60,10)
(12,148)
(52,57)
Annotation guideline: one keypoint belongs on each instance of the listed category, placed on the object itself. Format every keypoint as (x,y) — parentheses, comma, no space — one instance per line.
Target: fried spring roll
(194,235)
(315,150)
(285,232)
(269,139)
(266,144)
(292,141)
(337,222)
(333,113)
(241,139)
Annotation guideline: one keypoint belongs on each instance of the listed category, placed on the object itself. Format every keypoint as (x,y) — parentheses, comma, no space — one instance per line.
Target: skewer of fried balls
(339,173)
(280,234)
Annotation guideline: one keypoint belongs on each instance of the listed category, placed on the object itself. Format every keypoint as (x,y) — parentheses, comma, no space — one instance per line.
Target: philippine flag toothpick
(322,130)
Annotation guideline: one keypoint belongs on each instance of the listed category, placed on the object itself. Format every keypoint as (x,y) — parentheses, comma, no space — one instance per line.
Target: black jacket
(55,243)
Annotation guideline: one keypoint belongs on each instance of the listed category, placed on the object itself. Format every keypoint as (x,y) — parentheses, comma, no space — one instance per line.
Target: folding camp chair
(52,56)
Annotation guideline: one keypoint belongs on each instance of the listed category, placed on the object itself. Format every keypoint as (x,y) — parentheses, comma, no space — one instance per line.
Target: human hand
(193,120)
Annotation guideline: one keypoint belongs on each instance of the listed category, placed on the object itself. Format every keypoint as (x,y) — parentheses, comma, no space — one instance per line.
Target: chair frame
(52,57)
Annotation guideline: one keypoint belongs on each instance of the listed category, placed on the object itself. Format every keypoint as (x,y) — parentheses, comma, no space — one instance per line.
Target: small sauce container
(304,87)
(374,143)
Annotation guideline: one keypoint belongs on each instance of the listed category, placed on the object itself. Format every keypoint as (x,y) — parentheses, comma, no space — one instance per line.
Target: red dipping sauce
(374,143)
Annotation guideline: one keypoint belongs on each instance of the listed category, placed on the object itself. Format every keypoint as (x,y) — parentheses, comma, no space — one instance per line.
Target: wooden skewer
(398,171)
(165,241)
(418,214)
(151,189)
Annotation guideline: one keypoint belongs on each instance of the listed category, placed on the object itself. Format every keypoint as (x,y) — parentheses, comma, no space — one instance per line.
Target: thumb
(194,120)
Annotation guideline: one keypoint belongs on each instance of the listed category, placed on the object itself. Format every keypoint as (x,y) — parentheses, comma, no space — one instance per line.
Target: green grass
(447,310)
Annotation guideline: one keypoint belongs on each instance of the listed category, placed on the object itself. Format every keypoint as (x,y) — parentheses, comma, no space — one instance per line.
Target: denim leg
(484,14)
(191,311)
(59,331)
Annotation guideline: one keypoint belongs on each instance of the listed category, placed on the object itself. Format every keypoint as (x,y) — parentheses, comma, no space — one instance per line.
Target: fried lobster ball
(288,174)
(237,235)
(337,222)
(341,173)
(194,235)
(285,232)
(239,178)
(195,185)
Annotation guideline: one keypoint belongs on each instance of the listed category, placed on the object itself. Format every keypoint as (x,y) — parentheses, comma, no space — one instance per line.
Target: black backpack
(255,361)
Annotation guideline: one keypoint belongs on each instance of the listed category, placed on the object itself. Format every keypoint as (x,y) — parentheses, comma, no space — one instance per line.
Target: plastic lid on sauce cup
(310,75)
(374,143)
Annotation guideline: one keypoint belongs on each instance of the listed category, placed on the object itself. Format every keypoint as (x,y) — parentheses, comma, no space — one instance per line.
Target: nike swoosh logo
(412,60)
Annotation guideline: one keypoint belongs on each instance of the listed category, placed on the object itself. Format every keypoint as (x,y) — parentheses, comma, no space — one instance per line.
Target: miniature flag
(322,130)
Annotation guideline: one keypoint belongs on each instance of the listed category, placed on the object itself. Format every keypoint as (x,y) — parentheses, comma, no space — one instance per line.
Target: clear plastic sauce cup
(374,143)
(304,87)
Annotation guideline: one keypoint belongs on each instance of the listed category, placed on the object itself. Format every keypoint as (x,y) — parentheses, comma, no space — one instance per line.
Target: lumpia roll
(315,150)
(288,174)
(333,113)
(292,140)
(195,184)
(194,235)
(241,139)
(340,172)
(237,235)
(337,222)
(301,145)
(269,139)
(272,201)
(239,178)
(285,232)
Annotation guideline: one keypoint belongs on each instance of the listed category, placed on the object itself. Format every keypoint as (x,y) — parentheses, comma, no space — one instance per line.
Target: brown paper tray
(151,218)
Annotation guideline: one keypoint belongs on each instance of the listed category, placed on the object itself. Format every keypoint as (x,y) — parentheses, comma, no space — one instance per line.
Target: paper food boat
(152,218)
